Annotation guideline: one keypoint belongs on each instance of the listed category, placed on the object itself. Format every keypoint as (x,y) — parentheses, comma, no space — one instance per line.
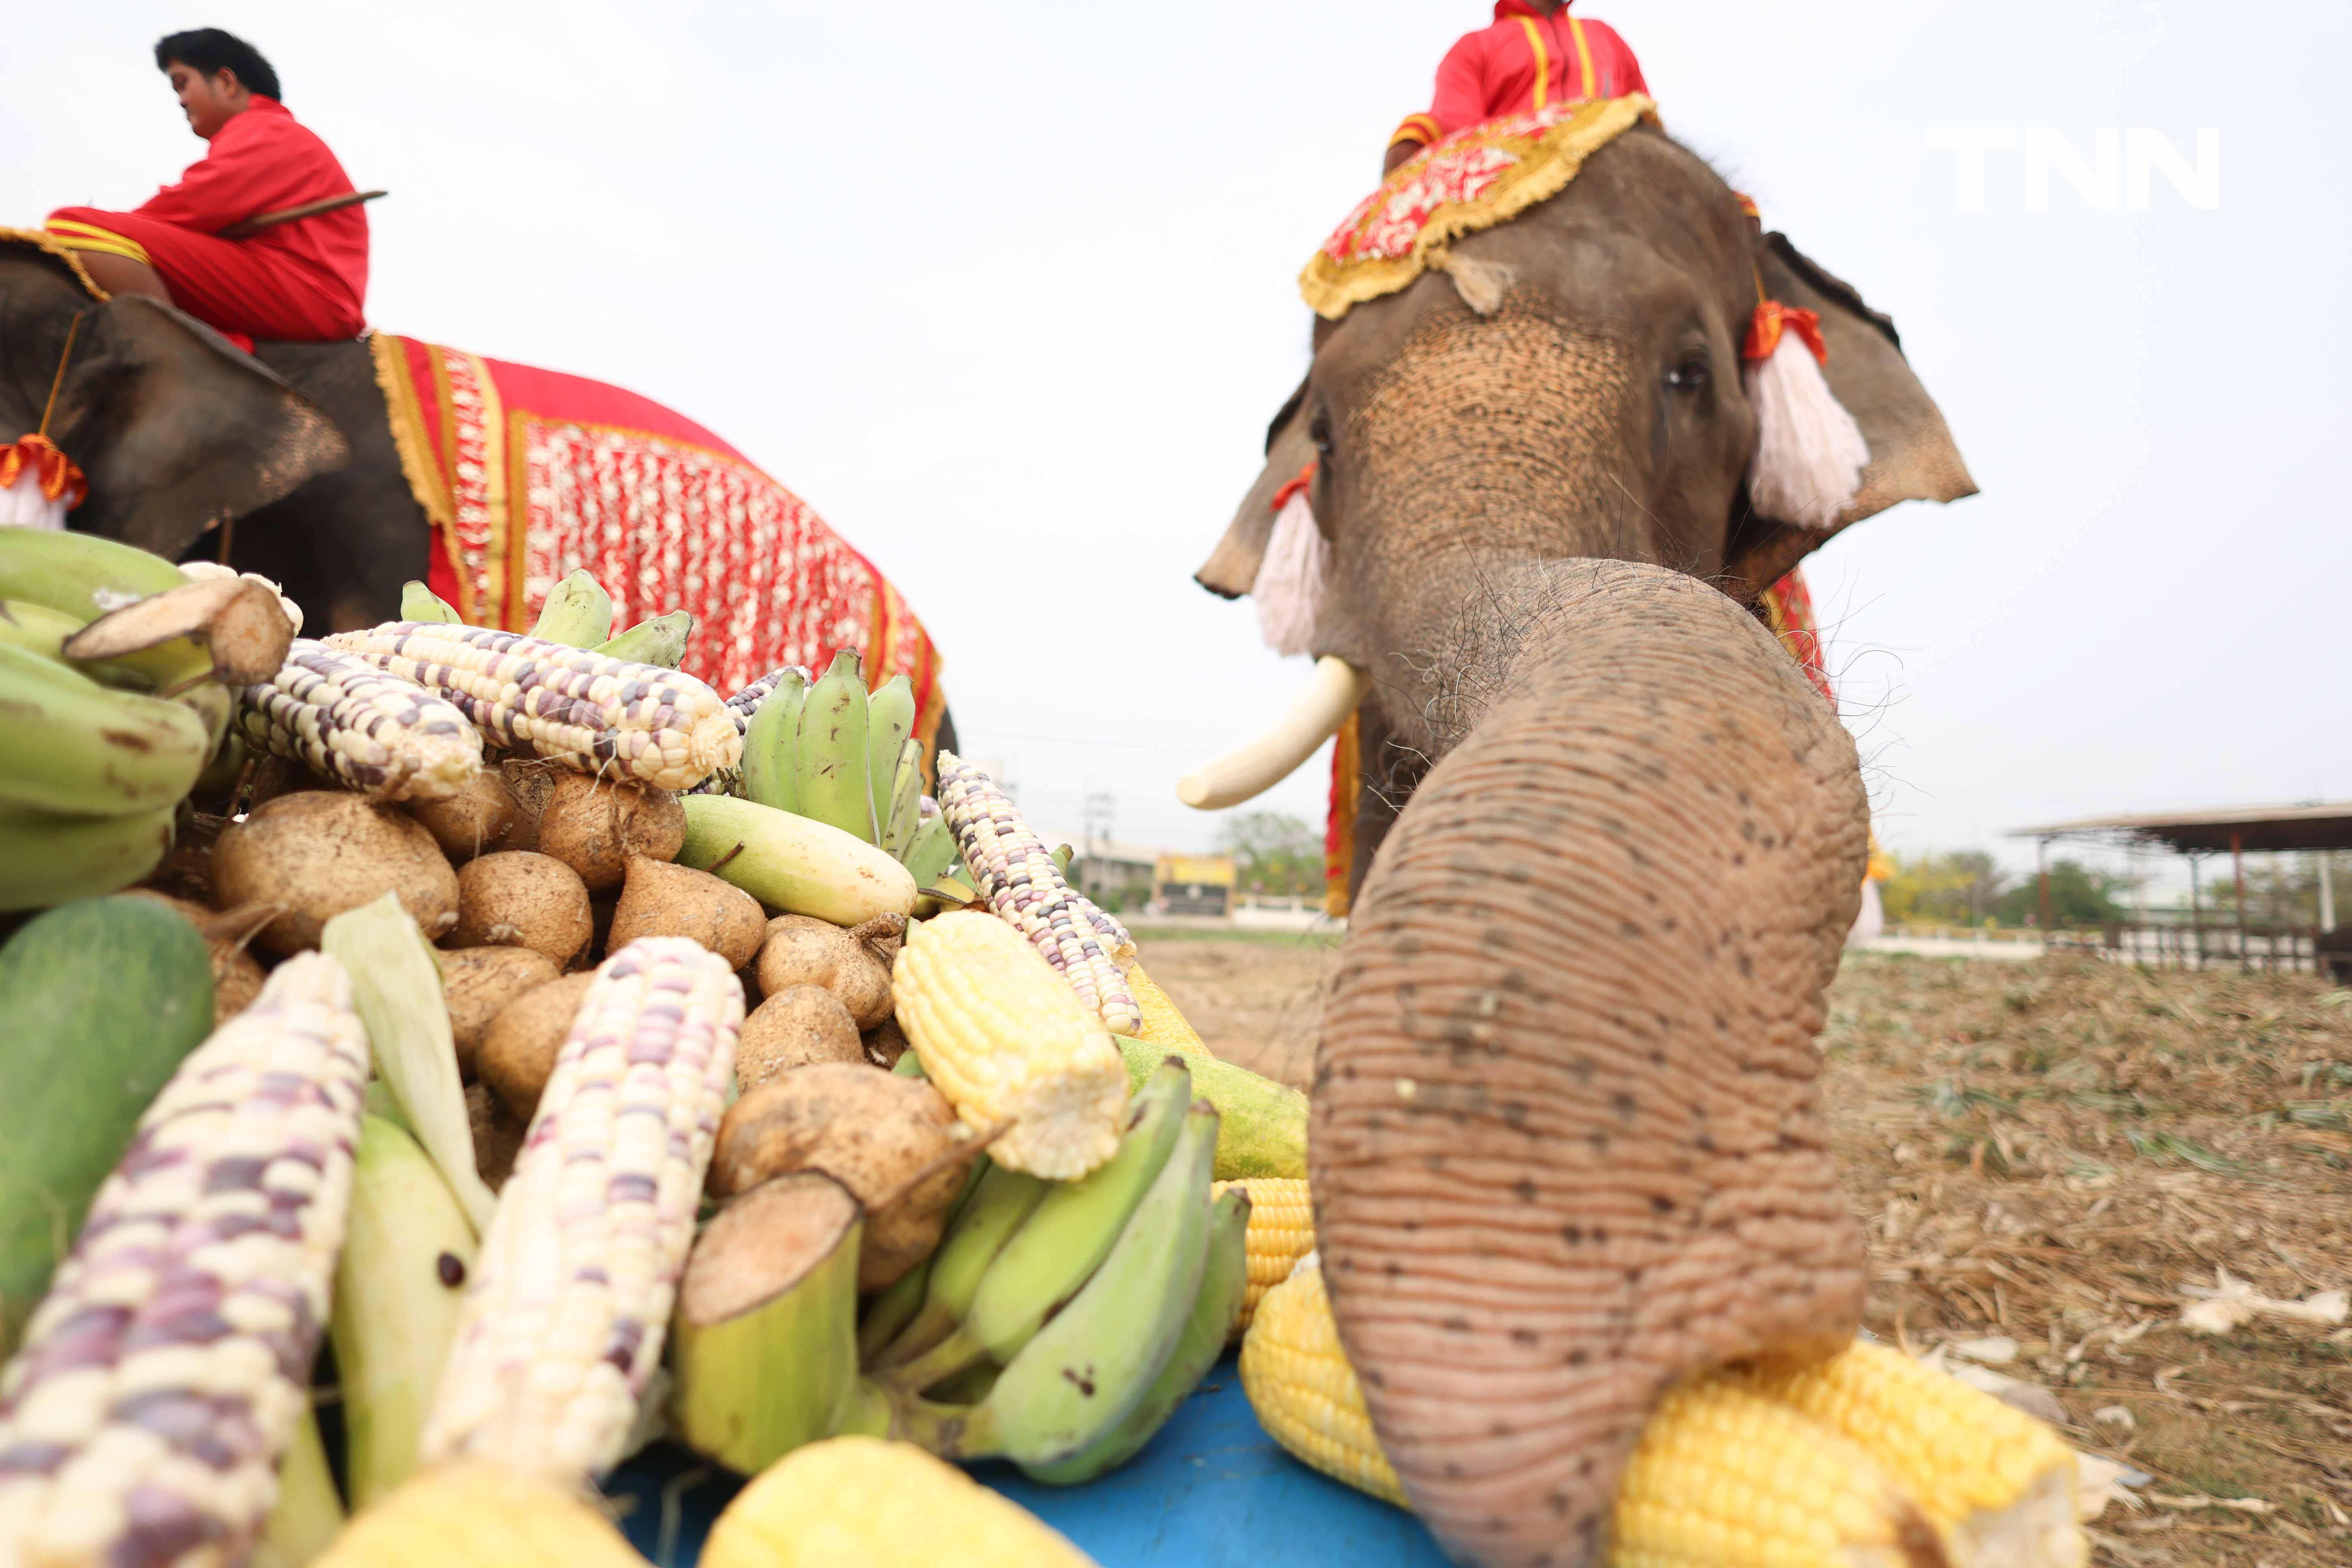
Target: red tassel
(1764,329)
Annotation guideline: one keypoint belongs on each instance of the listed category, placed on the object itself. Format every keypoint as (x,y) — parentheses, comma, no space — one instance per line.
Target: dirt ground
(2060,1154)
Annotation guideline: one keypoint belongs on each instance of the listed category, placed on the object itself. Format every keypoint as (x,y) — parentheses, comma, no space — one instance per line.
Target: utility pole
(1095,818)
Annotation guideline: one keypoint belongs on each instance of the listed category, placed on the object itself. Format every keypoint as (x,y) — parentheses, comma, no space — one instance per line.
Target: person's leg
(237,288)
(122,274)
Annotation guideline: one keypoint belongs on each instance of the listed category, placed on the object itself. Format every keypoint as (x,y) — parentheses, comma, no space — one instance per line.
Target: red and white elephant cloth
(528,474)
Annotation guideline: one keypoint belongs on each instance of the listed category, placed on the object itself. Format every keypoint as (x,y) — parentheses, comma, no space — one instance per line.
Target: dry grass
(2050,1152)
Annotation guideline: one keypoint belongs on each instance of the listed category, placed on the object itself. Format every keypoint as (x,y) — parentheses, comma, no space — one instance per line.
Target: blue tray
(1211,1491)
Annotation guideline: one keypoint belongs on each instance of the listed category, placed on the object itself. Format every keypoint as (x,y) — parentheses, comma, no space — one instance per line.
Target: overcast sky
(1006,291)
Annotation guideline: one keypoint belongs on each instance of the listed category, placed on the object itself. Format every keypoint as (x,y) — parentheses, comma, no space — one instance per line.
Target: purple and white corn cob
(1022,884)
(570,1298)
(164,1374)
(345,720)
(652,725)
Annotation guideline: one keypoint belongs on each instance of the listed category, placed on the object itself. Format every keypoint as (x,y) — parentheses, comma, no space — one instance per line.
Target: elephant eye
(1319,432)
(1689,375)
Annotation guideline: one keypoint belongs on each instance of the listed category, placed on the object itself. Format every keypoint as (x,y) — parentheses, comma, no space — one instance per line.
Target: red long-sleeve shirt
(1523,61)
(264,160)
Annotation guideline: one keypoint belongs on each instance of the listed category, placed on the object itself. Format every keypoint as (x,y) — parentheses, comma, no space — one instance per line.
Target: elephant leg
(1567,1145)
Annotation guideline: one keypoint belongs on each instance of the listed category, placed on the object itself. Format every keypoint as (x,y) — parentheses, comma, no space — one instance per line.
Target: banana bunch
(828,750)
(115,678)
(1058,1324)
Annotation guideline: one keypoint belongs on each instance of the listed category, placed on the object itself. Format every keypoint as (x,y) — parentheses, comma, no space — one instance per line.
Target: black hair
(211,52)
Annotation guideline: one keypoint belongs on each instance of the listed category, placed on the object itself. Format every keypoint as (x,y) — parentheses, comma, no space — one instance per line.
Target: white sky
(1005,291)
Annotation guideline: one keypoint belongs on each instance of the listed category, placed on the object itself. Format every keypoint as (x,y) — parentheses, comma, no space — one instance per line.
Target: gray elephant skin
(1567,1146)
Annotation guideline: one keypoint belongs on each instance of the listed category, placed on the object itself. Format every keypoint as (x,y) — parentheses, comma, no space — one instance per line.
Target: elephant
(283,462)
(1566,1142)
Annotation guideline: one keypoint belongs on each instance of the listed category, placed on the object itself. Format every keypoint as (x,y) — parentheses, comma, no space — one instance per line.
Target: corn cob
(879,1504)
(1018,877)
(1867,1461)
(462,1516)
(1304,1392)
(567,704)
(345,720)
(1281,1232)
(739,708)
(1000,1035)
(169,1366)
(1164,1024)
(571,1296)
(1999,1482)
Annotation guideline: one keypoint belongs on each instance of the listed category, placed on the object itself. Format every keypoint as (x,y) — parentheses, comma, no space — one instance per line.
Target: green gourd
(99,1000)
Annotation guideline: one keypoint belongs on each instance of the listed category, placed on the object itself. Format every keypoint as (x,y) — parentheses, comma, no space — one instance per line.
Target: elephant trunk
(1567,1145)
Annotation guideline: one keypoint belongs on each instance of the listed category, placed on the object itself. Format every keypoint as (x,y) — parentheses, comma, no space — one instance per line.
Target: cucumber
(102,998)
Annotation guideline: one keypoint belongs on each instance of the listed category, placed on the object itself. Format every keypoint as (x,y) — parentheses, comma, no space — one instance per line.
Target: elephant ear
(1232,567)
(1912,456)
(179,431)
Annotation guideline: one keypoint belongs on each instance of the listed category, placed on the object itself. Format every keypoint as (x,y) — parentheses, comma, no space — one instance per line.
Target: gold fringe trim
(1543,171)
(405,415)
(41,240)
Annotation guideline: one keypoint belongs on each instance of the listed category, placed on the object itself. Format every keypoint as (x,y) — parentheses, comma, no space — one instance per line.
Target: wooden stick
(259,221)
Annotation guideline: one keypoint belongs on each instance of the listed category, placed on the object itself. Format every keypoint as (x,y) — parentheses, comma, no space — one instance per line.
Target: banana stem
(958,1352)
(932,1324)
(962,1432)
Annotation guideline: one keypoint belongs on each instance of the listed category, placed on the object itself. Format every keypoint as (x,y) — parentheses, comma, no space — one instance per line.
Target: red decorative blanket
(528,474)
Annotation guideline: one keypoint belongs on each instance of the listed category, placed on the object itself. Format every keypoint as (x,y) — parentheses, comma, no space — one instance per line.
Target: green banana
(421,604)
(80,574)
(1225,1280)
(660,641)
(889,720)
(49,859)
(905,812)
(578,612)
(771,775)
(1085,1371)
(997,1208)
(931,852)
(178,666)
(400,1280)
(831,750)
(1073,1390)
(1061,1244)
(74,746)
(890,1311)
(309,1511)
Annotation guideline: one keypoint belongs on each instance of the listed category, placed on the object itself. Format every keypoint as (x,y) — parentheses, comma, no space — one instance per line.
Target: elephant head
(176,429)
(1566,1144)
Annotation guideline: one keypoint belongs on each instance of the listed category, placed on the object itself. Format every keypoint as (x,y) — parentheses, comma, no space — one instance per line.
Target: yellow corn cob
(1021,882)
(1726,1478)
(169,1366)
(565,1314)
(1304,1392)
(1162,1024)
(1281,1232)
(458,1516)
(1003,1038)
(344,718)
(581,709)
(1868,1461)
(1999,1482)
(879,1504)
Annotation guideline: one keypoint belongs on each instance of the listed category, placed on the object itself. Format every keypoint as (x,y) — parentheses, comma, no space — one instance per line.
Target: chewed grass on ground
(2049,1152)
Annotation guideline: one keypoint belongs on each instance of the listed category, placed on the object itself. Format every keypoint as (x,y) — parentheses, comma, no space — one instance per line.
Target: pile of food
(522,1048)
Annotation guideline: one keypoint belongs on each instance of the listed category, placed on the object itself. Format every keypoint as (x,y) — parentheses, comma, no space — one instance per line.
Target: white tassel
(22,504)
(1809,453)
(1290,585)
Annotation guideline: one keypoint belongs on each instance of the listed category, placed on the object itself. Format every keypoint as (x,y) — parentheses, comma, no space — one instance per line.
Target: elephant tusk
(1315,715)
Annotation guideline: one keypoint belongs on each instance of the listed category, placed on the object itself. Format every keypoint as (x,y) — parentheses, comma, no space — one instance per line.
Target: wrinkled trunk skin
(1567,1145)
